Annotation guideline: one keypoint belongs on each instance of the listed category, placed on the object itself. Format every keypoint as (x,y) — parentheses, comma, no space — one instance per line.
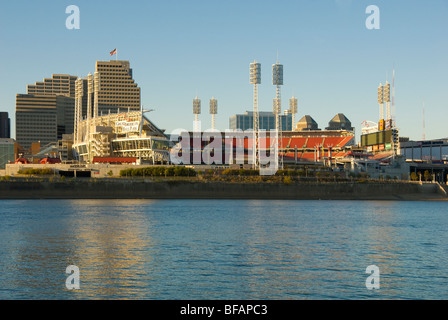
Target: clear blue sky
(178,49)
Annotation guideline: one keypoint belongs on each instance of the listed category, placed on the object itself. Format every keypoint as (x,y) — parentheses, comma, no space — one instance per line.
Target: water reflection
(209,249)
(112,244)
(378,223)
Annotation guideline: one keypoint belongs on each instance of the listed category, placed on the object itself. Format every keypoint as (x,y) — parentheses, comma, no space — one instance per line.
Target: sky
(179,49)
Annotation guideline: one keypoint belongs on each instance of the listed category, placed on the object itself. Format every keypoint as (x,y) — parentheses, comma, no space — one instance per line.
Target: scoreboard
(378,140)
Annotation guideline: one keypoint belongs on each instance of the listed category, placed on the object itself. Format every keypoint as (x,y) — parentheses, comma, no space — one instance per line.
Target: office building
(266,121)
(5,126)
(65,146)
(46,111)
(6,152)
(58,84)
(117,89)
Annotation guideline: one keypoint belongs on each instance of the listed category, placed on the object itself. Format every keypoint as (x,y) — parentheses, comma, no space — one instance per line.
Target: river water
(223,249)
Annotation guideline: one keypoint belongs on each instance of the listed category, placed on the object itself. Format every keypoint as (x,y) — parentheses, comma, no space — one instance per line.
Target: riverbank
(195,189)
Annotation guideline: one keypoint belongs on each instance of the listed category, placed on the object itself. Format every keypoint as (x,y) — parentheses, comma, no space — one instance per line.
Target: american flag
(113,52)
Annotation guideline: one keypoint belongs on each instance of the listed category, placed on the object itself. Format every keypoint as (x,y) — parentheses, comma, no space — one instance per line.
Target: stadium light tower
(293,110)
(255,79)
(277,80)
(387,100)
(213,110)
(381,104)
(196,112)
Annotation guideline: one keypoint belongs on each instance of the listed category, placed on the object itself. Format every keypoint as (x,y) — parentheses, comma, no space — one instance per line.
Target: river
(223,249)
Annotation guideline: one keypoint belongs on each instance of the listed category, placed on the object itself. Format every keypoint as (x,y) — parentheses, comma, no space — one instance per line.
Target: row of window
(35,132)
(121,73)
(105,66)
(122,93)
(41,119)
(115,88)
(120,78)
(36,122)
(131,84)
(108,98)
(140,144)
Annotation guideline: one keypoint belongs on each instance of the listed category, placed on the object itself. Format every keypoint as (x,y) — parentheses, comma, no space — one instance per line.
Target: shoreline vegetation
(187,183)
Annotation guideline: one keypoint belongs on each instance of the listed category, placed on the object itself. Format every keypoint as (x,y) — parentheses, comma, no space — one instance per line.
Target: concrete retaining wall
(128,189)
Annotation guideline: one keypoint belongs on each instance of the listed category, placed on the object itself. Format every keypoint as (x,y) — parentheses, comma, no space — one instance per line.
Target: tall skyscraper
(5,125)
(117,88)
(46,112)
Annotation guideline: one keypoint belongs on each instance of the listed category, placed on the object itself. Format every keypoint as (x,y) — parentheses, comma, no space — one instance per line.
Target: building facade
(120,135)
(46,111)
(267,121)
(430,151)
(42,118)
(58,84)
(65,147)
(6,152)
(117,89)
(5,126)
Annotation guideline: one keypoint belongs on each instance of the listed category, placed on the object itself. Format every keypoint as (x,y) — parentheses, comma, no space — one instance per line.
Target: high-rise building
(5,125)
(58,84)
(46,112)
(117,89)
(266,121)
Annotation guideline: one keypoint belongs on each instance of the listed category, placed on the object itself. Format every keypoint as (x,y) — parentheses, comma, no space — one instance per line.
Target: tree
(414,176)
(427,175)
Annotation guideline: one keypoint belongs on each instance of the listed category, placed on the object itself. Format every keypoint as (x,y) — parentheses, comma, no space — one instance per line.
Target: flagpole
(114,53)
